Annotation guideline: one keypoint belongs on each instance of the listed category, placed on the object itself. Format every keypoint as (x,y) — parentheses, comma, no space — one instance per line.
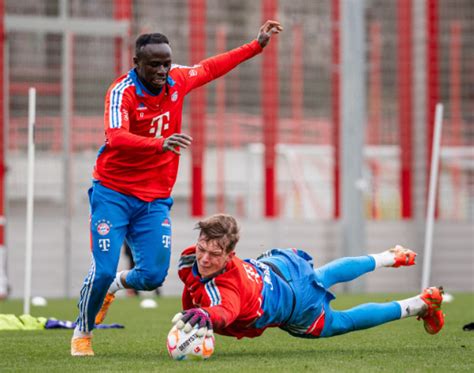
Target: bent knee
(150,281)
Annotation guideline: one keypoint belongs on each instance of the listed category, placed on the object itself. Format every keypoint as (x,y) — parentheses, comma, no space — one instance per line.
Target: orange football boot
(403,257)
(433,317)
(82,346)
(109,298)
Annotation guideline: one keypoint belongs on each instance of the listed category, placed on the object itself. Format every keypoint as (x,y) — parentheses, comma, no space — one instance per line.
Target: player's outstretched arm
(214,67)
(177,140)
(267,30)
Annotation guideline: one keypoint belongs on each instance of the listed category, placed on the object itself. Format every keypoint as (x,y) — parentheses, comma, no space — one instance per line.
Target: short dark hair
(145,39)
(222,228)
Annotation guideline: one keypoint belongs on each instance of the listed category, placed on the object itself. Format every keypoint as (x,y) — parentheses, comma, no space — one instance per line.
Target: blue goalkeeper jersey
(277,296)
(293,297)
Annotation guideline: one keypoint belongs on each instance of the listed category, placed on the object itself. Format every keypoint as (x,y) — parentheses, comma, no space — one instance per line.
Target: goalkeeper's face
(211,258)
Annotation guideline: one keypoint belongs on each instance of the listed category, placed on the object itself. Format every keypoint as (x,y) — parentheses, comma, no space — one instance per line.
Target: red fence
(288,95)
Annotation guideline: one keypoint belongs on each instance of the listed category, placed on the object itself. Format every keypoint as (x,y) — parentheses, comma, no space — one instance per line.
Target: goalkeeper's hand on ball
(187,320)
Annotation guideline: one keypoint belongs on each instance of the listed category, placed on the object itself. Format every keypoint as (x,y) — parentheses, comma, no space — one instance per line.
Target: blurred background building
(268,136)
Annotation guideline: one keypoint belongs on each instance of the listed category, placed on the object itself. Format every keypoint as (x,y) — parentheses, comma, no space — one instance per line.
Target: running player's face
(211,258)
(153,65)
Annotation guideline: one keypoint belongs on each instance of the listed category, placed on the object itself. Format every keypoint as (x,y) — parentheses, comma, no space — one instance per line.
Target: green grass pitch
(400,346)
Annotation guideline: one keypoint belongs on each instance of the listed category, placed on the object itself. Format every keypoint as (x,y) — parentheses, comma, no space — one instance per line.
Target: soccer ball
(188,346)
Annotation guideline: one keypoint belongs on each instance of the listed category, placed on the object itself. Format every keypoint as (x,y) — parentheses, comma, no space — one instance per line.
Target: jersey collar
(204,280)
(141,89)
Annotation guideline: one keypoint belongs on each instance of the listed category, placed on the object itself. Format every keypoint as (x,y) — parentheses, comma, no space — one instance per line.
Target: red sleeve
(185,262)
(216,66)
(121,138)
(228,310)
(117,124)
(186,300)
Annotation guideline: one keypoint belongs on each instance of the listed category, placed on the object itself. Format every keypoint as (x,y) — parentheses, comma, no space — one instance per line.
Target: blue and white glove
(187,320)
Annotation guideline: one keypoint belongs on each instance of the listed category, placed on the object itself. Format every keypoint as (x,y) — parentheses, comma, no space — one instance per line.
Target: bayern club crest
(103,227)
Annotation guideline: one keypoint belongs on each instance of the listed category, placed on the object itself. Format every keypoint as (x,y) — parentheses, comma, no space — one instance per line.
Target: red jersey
(233,299)
(136,123)
(278,289)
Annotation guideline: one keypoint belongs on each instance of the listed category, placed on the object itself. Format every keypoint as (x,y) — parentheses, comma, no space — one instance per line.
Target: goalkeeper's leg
(426,306)
(349,268)
(361,317)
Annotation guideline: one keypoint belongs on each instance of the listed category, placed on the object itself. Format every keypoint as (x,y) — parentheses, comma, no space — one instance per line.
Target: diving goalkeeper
(281,288)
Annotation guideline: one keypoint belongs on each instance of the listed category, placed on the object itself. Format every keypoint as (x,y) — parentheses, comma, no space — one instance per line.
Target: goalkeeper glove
(188,319)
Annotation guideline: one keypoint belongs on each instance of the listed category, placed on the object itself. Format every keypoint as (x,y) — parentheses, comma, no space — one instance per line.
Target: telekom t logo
(159,123)
(104,244)
(166,240)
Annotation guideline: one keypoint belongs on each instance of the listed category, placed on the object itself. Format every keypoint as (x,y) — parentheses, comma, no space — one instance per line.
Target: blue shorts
(309,295)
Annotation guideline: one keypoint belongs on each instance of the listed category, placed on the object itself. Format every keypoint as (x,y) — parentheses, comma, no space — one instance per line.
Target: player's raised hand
(188,319)
(267,30)
(177,140)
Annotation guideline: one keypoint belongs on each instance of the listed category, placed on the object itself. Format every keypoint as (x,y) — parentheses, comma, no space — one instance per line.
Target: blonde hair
(222,228)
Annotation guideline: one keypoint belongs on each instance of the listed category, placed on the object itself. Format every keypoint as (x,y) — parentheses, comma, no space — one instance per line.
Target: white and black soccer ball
(188,345)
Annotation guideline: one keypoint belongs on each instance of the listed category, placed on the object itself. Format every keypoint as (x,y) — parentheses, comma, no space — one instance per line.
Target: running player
(136,170)
(242,298)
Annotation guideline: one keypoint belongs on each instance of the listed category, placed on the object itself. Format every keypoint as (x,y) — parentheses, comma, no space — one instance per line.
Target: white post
(353,69)
(432,197)
(3,248)
(66,110)
(29,198)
